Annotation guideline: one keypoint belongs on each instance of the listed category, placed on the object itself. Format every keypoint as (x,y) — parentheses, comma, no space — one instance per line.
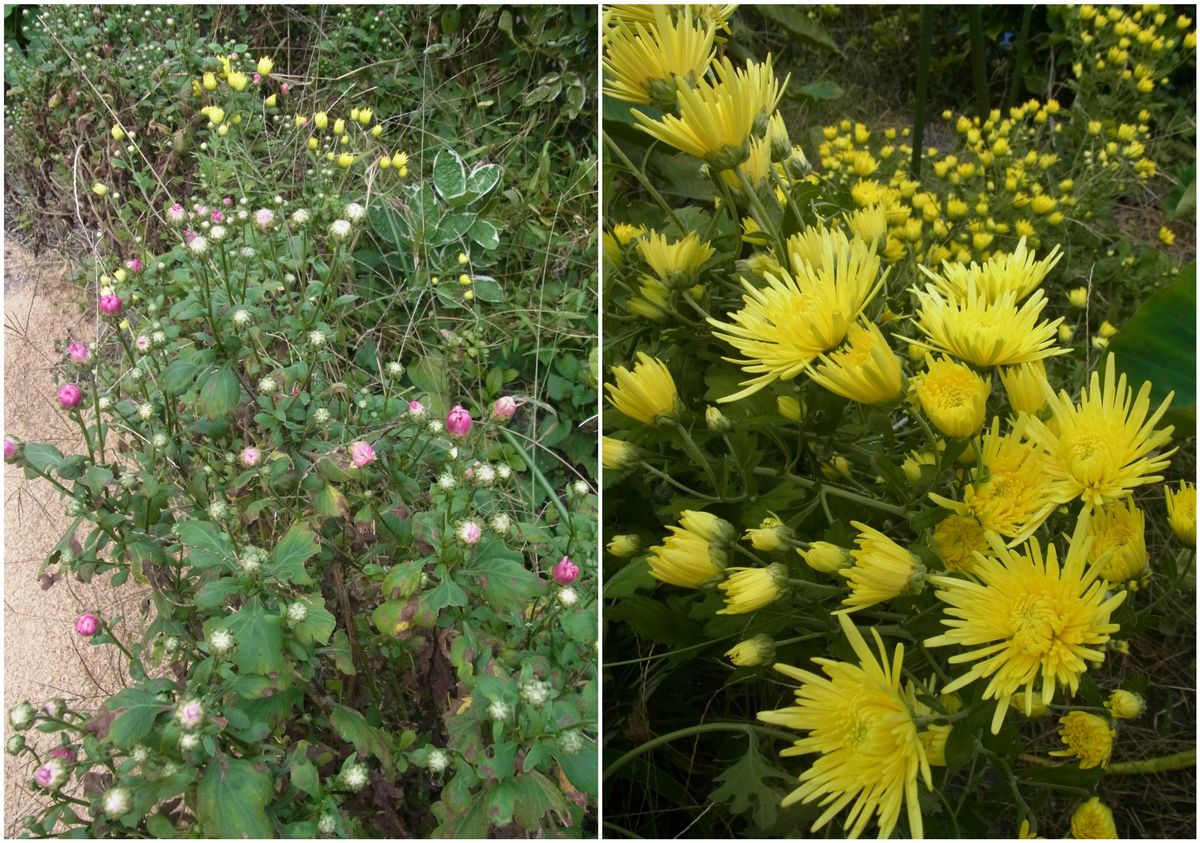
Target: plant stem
(835,491)
(1178,761)
(748,729)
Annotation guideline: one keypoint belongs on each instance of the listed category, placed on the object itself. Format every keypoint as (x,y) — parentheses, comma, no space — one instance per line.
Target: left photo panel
(300,421)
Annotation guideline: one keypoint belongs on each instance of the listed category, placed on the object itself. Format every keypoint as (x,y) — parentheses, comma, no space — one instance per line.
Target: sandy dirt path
(43,657)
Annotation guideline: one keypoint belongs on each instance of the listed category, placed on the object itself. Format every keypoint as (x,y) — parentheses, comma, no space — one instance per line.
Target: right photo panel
(899,451)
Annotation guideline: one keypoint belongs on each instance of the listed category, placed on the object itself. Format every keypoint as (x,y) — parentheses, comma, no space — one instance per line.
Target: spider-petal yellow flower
(1026,619)
(750,589)
(1011,493)
(1101,449)
(1093,820)
(717,14)
(882,569)
(865,369)
(1015,272)
(694,553)
(676,263)
(784,326)
(1088,737)
(861,724)
(1023,383)
(1119,541)
(616,454)
(643,60)
(647,394)
(957,538)
(716,119)
(983,333)
(953,397)
(1181,512)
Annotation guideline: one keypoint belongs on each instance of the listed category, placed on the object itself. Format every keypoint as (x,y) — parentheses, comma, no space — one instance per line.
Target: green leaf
(298,546)
(330,503)
(486,289)
(446,593)
(365,738)
(232,799)
(453,227)
(318,625)
(259,638)
(304,777)
(507,585)
(430,375)
(796,23)
(581,769)
(449,174)
(1158,344)
(537,796)
(634,576)
(219,395)
(502,802)
(745,787)
(823,90)
(160,827)
(485,234)
(403,579)
(483,179)
(217,592)
(141,707)
(178,377)
(205,544)
(42,457)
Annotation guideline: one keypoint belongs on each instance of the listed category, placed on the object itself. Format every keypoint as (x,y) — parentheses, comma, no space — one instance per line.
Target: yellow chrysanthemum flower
(1088,737)
(860,723)
(770,535)
(953,396)
(756,168)
(882,569)
(1119,541)
(1028,618)
(1101,449)
(825,557)
(783,327)
(956,539)
(1125,705)
(1010,493)
(750,589)
(1025,386)
(624,545)
(869,224)
(716,118)
(752,652)
(1093,820)
(647,394)
(717,14)
(1017,272)
(694,553)
(616,454)
(1181,512)
(986,333)
(676,263)
(864,369)
(643,61)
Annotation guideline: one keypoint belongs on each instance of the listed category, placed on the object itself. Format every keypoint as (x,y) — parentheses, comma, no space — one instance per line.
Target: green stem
(537,473)
(645,182)
(679,485)
(748,729)
(1178,761)
(695,453)
(835,491)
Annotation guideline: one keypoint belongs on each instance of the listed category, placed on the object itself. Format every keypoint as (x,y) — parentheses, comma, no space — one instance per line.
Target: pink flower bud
(504,408)
(189,235)
(45,774)
(227,201)
(11,449)
(87,624)
(142,343)
(257,78)
(566,571)
(251,457)
(78,352)
(66,753)
(416,409)
(134,265)
(284,88)
(361,454)
(459,422)
(70,396)
(469,532)
(217,216)
(110,305)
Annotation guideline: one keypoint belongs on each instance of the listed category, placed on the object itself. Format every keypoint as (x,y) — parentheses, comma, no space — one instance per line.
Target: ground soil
(43,657)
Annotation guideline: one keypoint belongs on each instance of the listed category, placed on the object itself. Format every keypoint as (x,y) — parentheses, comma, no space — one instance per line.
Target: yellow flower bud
(345,159)
(312,143)
(238,81)
(99,189)
(1125,705)
(210,82)
(623,546)
(753,652)
(826,557)
(321,120)
(790,408)
(384,162)
(270,101)
(364,116)
(117,132)
(339,126)
(376,130)
(265,66)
